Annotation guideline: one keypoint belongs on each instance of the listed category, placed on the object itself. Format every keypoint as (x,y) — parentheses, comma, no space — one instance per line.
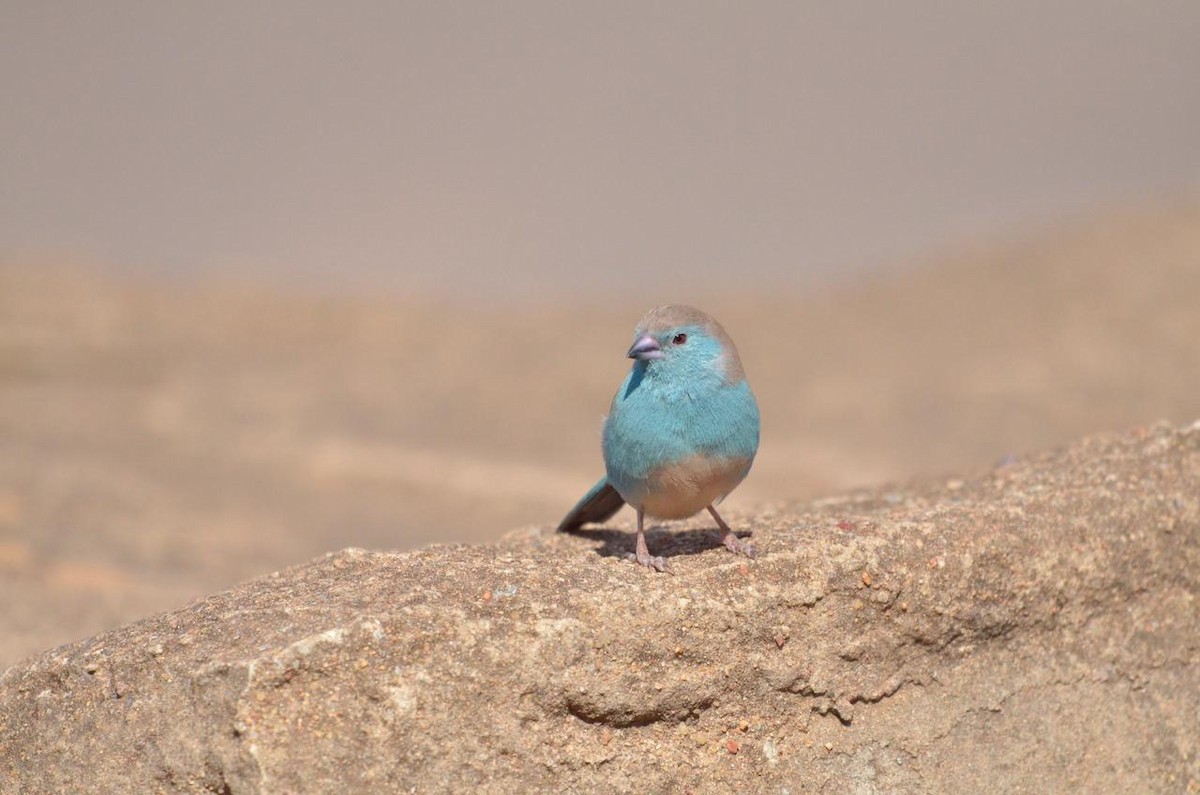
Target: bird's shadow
(660,538)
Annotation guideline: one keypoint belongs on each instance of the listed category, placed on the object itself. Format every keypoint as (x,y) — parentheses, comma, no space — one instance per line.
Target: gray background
(564,146)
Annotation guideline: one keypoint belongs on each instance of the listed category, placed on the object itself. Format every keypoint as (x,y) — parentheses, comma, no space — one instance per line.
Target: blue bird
(682,430)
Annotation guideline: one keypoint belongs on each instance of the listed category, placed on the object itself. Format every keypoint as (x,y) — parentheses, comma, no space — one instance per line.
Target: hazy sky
(599,145)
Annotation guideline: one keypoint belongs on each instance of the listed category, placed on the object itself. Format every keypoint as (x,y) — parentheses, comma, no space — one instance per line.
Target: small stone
(733,746)
(770,751)
(743,725)
(828,746)
(866,578)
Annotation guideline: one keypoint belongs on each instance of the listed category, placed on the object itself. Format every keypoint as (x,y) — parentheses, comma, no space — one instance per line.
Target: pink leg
(642,556)
(735,545)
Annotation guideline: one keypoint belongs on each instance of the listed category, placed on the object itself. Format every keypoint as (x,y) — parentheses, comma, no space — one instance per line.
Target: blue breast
(656,421)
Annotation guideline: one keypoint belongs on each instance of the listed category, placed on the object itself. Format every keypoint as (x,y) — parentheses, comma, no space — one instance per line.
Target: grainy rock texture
(1032,630)
(160,441)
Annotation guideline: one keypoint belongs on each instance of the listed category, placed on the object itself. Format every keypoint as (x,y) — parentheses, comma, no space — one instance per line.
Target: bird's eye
(679,339)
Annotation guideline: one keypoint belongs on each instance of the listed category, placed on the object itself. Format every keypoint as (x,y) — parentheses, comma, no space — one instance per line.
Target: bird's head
(685,341)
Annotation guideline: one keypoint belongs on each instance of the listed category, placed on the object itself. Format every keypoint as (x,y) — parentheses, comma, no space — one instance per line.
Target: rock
(1033,629)
(160,441)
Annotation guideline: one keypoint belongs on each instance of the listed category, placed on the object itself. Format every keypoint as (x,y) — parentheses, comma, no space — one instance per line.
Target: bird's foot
(737,546)
(649,561)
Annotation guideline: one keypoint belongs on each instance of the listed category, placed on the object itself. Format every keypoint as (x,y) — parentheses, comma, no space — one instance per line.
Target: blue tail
(601,502)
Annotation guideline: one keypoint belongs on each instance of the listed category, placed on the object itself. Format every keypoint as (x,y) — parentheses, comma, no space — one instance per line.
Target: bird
(681,432)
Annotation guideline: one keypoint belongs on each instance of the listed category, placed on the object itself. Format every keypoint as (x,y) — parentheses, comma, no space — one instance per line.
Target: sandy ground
(159,442)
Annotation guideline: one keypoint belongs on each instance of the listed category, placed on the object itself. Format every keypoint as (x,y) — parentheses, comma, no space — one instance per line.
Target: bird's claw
(649,561)
(739,547)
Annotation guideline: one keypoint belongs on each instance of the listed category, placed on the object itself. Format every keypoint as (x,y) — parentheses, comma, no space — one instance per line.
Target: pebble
(770,751)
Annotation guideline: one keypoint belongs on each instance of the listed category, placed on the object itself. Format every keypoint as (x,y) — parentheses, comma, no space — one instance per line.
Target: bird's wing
(601,502)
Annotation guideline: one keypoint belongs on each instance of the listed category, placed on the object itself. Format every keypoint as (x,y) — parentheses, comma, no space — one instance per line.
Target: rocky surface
(160,441)
(1034,629)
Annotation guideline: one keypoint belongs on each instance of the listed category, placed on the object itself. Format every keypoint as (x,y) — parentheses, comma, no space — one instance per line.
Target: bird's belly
(681,489)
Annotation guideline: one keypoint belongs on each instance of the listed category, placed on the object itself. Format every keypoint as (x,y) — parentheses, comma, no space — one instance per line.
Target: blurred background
(280,278)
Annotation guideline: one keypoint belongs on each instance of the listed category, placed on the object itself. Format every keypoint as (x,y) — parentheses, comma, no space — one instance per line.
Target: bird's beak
(644,348)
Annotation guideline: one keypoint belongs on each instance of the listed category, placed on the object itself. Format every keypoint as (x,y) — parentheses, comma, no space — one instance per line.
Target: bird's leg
(642,555)
(735,545)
